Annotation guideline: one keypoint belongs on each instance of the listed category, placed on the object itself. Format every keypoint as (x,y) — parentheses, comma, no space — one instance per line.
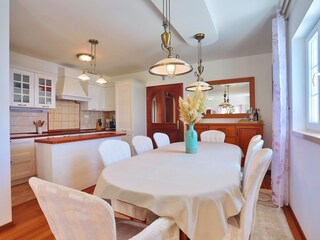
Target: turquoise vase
(191,140)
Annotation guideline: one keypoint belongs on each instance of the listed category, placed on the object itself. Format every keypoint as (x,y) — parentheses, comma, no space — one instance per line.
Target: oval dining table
(199,191)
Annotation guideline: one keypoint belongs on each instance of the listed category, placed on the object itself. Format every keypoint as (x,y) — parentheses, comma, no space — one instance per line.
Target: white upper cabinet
(110,98)
(29,89)
(21,88)
(45,91)
(97,95)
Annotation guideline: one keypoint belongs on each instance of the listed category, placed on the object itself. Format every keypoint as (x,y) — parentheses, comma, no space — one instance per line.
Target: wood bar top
(68,139)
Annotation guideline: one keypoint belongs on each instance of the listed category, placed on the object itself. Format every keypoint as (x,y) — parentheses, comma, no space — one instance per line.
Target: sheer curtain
(280,162)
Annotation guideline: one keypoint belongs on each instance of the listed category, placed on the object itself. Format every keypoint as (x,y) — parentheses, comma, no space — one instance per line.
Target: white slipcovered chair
(161,139)
(72,214)
(240,227)
(116,150)
(253,147)
(212,136)
(142,144)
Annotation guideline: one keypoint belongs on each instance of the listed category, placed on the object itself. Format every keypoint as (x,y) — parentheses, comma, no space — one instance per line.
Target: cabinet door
(44,91)
(200,128)
(97,95)
(22,158)
(21,88)
(244,135)
(110,99)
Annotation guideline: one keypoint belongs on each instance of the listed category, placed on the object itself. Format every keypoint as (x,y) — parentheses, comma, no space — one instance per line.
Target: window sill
(306,135)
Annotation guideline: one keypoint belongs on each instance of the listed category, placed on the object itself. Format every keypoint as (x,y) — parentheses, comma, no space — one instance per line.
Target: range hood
(69,88)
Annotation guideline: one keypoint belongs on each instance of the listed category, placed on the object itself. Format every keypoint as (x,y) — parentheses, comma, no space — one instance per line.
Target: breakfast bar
(72,161)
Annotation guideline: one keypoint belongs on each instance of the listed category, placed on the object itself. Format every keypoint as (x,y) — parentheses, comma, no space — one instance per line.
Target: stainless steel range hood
(69,86)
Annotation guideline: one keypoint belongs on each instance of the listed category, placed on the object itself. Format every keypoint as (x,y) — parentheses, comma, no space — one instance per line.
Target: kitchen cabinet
(97,95)
(130,100)
(110,98)
(45,91)
(236,133)
(30,89)
(21,88)
(22,153)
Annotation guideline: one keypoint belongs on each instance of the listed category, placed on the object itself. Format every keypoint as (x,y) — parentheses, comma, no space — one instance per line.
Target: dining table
(199,191)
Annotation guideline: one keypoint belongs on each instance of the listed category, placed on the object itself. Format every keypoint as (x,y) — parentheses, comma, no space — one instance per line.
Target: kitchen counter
(57,133)
(73,161)
(66,139)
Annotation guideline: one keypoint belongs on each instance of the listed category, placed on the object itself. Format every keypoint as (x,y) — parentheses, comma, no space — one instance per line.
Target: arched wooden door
(163,111)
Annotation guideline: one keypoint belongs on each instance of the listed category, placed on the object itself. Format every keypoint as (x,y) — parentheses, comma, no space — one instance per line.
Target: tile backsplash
(66,115)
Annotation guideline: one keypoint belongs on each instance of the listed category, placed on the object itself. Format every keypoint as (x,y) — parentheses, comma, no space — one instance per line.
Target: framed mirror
(230,98)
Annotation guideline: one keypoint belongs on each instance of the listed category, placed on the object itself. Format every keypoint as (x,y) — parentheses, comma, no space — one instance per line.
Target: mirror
(230,98)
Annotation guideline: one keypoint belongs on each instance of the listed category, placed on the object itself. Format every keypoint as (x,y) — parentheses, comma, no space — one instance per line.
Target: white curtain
(280,126)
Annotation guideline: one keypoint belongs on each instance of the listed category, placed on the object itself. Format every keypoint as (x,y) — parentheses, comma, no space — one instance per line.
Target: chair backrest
(257,169)
(161,139)
(114,150)
(72,214)
(142,144)
(254,147)
(212,136)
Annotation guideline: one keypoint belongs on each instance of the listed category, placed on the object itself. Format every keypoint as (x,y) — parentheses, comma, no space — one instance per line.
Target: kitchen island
(72,161)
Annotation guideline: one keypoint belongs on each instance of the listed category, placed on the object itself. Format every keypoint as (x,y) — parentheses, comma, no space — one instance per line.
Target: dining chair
(161,139)
(212,136)
(142,144)
(113,151)
(72,214)
(241,226)
(254,147)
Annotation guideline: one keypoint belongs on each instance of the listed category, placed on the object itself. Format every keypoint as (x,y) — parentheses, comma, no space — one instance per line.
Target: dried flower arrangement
(192,109)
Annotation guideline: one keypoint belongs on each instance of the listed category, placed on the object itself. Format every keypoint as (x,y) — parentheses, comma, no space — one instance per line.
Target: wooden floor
(30,223)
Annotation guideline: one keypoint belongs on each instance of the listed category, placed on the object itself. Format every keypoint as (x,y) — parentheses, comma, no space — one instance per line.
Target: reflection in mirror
(163,108)
(229,98)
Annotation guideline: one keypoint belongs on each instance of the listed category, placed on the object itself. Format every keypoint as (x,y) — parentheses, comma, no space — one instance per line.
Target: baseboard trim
(6,226)
(293,223)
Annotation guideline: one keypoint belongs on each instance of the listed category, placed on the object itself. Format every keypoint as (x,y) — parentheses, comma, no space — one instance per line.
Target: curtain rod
(284,7)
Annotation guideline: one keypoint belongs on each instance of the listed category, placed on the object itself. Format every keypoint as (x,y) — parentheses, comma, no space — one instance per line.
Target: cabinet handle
(20,104)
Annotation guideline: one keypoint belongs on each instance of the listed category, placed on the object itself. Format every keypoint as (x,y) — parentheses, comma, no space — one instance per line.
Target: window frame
(312,126)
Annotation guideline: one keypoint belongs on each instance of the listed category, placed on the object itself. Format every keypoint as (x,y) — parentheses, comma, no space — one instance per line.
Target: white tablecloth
(200,191)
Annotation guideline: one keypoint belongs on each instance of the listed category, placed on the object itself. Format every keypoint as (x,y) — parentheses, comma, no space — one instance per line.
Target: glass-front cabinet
(29,89)
(44,91)
(22,88)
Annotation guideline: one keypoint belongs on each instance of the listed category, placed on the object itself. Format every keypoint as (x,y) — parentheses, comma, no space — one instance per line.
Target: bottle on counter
(255,115)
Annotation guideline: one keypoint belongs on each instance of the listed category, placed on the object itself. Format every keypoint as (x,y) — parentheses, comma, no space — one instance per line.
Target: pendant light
(171,66)
(93,59)
(199,83)
(226,103)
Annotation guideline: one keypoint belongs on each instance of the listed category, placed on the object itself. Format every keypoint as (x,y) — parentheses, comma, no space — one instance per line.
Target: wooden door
(163,111)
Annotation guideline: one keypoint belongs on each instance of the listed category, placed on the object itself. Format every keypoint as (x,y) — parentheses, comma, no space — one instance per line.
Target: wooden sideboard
(236,133)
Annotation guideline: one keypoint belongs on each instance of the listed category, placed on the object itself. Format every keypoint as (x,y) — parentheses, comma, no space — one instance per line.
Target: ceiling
(129,31)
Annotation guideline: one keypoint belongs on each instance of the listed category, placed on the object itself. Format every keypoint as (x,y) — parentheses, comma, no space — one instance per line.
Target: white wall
(258,66)
(5,190)
(304,155)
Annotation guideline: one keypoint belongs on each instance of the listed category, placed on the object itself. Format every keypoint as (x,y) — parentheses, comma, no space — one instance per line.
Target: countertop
(76,138)
(60,132)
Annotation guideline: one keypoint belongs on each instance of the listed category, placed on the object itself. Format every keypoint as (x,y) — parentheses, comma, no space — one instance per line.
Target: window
(313,78)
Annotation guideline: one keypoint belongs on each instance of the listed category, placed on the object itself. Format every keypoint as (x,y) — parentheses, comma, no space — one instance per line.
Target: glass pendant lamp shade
(84,76)
(101,80)
(199,84)
(170,67)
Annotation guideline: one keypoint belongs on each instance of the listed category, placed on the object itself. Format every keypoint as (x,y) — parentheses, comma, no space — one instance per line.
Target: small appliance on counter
(112,123)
